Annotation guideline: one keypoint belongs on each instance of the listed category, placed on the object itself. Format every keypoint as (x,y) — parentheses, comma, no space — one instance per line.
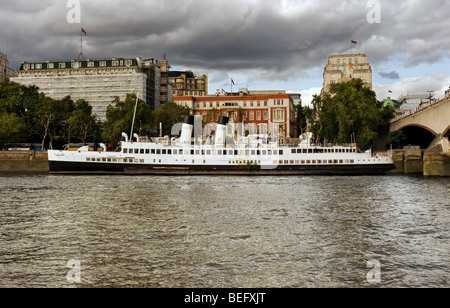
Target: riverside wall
(23,161)
(413,160)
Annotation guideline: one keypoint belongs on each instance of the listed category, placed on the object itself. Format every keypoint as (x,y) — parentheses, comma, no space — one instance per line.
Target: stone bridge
(433,119)
(429,126)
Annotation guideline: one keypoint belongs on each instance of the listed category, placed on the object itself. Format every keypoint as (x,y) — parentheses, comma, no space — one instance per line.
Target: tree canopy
(349,109)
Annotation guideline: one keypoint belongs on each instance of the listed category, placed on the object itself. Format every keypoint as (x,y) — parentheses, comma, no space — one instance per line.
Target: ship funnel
(124,135)
(186,132)
(221,131)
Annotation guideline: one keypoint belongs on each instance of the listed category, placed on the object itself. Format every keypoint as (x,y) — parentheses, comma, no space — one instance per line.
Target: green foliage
(120,117)
(12,128)
(397,138)
(82,124)
(350,107)
(169,114)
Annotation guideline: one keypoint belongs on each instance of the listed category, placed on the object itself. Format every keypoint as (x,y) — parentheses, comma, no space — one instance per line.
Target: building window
(90,64)
(50,65)
(265,103)
(266,115)
(252,115)
(38,66)
(102,63)
(115,63)
(128,62)
(258,115)
(62,65)
(76,64)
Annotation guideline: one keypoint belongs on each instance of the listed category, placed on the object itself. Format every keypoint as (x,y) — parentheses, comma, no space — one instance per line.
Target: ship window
(142,151)
(153,152)
(169,152)
(136,151)
(114,160)
(236,152)
(275,152)
(291,162)
(158,152)
(197,152)
(253,152)
(141,161)
(164,152)
(352,161)
(125,151)
(88,159)
(341,161)
(294,151)
(109,160)
(280,162)
(219,152)
(314,162)
(319,161)
(281,152)
(147,151)
(330,161)
(125,160)
(264,152)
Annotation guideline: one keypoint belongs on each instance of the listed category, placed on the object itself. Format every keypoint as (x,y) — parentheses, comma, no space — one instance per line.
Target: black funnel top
(189,120)
(223,120)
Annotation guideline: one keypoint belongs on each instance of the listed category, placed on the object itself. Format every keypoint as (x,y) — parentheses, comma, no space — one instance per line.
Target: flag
(83,31)
(354,42)
(351,66)
(232,81)
(390,91)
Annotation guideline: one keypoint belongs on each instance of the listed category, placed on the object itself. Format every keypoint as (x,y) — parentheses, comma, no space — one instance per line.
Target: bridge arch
(446,132)
(416,134)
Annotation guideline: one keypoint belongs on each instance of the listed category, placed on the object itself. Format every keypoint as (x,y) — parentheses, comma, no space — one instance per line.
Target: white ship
(250,155)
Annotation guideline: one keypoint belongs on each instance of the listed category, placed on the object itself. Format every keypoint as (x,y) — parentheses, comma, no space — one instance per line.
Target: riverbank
(413,160)
(24,161)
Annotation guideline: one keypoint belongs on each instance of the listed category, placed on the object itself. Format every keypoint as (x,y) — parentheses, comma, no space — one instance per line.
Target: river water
(224,232)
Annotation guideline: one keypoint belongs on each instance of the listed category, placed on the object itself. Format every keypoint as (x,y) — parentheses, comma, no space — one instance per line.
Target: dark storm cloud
(268,39)
(391,75)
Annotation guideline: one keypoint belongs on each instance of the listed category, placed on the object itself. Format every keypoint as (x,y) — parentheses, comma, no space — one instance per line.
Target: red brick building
(263,110)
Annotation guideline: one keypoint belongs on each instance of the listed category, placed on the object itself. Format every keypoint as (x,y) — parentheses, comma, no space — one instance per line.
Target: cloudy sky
(261,44)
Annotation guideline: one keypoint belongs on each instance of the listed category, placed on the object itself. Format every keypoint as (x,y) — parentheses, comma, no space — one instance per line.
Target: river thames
(224,232)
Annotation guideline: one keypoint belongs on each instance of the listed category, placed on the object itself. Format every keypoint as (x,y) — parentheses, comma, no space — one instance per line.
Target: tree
(82,124)
(12,128)
(350,107)
(119,118)
(169,114)
(397,138)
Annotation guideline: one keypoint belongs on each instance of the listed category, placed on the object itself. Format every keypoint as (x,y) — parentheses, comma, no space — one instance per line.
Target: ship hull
(64,167)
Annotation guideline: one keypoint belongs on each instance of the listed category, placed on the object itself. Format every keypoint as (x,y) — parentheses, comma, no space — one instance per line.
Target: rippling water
(249,232)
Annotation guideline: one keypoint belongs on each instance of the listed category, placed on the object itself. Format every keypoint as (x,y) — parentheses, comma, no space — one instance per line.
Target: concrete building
(97,81)
(188,84)
(263,110)
(5,70)
(166,87)
(341,68)
(410,103)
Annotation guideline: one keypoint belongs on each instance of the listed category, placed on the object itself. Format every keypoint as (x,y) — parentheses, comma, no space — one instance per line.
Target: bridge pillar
(413,160)
(436,162)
